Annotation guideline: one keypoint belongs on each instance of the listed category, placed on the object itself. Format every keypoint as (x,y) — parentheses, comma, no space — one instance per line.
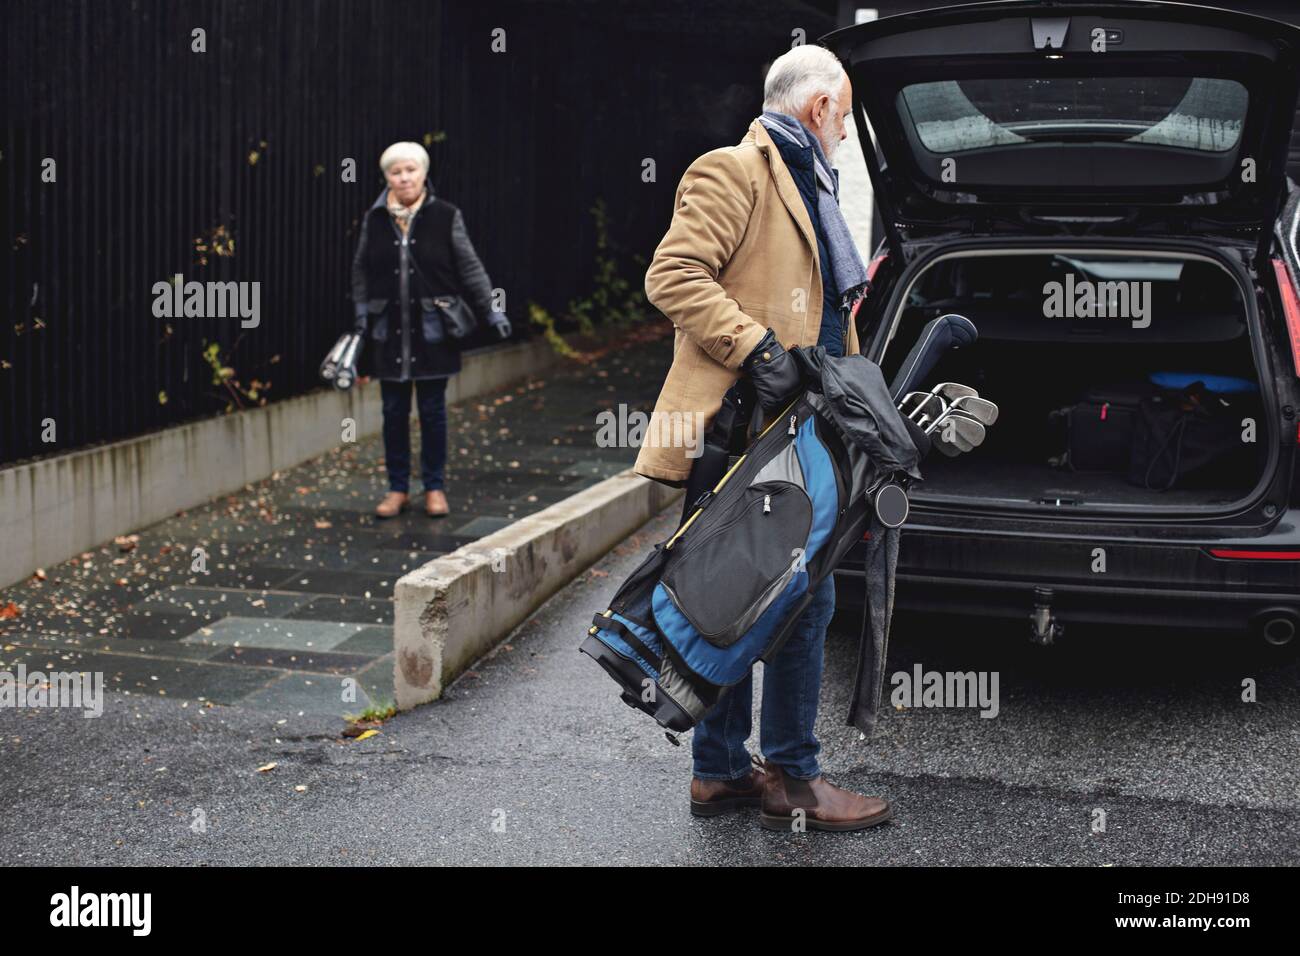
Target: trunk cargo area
(1067,373)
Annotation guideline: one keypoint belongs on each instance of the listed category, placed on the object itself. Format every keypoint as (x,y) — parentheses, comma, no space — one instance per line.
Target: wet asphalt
(531,758)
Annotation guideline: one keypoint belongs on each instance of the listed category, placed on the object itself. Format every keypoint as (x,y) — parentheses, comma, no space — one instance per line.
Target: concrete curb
(456,608)
(57,507)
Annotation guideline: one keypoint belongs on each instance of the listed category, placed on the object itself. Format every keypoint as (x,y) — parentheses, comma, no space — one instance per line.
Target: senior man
(758,259)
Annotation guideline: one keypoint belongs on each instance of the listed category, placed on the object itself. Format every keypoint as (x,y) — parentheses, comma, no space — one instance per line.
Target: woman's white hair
(798,75)
(400,151)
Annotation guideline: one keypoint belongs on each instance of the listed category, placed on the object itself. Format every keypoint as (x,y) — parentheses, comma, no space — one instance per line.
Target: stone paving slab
(290,590)
(273,633)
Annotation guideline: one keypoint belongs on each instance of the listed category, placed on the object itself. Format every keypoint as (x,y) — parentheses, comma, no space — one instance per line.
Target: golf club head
(927,407)
(951,391)
(980,409)
(948,448)
(959,430)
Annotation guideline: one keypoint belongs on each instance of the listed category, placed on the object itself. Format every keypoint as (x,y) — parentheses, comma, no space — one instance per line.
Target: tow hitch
(1045,629)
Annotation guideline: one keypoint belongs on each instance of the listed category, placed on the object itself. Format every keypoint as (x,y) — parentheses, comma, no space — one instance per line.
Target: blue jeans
(431,394)
(791,683)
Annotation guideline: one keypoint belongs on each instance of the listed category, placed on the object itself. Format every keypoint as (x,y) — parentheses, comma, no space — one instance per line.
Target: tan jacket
(739,257)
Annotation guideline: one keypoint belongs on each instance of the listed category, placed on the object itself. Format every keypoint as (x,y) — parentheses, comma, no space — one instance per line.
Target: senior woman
(413,253)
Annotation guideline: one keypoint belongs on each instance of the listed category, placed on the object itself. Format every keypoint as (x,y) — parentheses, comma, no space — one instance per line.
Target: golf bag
(726,589)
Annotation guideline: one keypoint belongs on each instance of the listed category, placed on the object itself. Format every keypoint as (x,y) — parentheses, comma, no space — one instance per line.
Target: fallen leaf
(9,611)
(367,734)
(300,789)
(269,766)
(322,523)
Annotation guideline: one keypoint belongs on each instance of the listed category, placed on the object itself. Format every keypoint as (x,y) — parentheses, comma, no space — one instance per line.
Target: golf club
(329,367)
(955,438)
(980,409)
(957,432)
(916,404)
(346,372)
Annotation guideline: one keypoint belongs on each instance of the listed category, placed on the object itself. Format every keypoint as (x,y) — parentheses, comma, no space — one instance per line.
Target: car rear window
(1193,113)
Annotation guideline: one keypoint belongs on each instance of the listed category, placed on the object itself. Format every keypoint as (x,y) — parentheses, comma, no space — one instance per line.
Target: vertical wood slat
(152,142)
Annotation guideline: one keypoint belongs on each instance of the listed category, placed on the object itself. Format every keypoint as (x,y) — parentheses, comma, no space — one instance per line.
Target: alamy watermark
(129,910)
(946,689)
(75,689)
(208,300)
(1086,299)
(633,429)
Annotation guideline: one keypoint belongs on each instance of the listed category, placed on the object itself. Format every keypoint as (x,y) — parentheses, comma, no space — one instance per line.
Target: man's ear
(820,106)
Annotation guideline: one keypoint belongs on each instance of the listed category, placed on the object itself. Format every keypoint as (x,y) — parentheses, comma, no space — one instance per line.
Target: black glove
(774,373)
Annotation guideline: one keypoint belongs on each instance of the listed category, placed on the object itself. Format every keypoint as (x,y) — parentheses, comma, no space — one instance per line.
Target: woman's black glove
(774,373)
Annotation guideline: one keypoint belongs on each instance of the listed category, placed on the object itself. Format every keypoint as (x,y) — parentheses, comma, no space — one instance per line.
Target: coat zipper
(404,290)
(404,287)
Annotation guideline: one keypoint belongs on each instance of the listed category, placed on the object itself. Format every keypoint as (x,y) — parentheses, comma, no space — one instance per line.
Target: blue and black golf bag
(728,587)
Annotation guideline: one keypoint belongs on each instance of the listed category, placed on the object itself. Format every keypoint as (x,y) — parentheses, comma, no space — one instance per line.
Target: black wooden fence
(128,156)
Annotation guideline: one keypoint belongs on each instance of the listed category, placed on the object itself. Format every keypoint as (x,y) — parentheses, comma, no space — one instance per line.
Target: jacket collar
(785,185)
(381,200)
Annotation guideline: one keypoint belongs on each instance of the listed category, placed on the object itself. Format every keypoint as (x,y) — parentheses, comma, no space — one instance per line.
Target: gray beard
(827,147)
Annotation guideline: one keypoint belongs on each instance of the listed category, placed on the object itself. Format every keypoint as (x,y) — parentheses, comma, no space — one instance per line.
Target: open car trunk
(1071,386)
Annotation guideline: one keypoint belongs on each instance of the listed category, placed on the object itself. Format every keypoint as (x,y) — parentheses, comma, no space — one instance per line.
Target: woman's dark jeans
(431,394)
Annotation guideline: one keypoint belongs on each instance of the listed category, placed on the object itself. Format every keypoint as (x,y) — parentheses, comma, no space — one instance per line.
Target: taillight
(875,264)
(1238,555)
(1290,309)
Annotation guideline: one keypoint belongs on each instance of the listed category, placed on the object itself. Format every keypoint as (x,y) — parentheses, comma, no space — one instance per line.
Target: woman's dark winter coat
(404,336)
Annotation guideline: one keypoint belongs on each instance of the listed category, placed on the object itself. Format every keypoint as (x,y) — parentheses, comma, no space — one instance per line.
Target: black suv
(1027,151)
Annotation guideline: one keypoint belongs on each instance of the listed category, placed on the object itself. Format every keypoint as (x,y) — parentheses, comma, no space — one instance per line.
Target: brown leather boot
(394,503)
(435,504)
(712,797)
(824,805)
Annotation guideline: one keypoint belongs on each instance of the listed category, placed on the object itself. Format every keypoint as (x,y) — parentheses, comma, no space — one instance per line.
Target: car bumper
(1091,580)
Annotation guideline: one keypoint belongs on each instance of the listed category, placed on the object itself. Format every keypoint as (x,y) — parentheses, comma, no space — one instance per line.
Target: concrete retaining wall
(57,507)
(456,608)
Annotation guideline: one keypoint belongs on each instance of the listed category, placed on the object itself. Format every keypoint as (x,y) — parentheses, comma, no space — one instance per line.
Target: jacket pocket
(431,320)
(725,579)
(378,310)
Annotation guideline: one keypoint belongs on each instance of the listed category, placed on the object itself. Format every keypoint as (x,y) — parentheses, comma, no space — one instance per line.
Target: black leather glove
(774,373)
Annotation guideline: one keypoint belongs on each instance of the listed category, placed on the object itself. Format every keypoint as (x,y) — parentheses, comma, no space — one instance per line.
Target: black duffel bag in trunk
(1191,437)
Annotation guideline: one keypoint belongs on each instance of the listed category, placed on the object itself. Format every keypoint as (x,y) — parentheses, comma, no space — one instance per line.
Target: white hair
(800,74)
(400,151)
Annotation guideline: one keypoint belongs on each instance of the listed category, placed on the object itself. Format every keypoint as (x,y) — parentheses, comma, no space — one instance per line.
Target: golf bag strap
(609,624)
